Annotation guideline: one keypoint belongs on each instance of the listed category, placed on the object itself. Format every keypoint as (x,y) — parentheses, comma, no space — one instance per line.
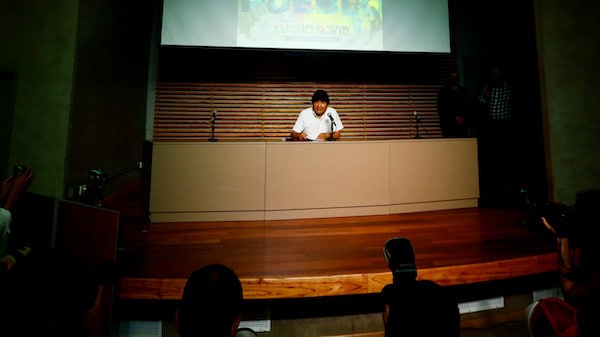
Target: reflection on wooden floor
(332,256)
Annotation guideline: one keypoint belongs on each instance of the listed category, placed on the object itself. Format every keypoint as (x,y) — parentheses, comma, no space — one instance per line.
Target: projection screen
(353,25)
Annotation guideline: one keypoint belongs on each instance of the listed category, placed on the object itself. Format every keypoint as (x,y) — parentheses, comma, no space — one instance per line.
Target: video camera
(97,176)
(575,222)
(561,217)
(18,170)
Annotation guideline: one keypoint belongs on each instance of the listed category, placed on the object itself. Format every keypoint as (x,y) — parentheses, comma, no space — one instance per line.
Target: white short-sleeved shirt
(309,123)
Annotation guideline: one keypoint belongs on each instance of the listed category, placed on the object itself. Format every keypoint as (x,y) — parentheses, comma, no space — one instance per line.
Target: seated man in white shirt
(319,122)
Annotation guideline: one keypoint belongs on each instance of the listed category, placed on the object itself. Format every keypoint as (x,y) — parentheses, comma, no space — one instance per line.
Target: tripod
(92,193)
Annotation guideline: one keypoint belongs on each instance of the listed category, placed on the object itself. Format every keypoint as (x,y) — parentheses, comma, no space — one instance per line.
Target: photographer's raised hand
(565,258)
(548,226)
(18,184)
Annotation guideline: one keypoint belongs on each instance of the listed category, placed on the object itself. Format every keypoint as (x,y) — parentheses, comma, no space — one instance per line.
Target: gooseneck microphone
(332,126)
(213,120)
(417,122)
(416,114)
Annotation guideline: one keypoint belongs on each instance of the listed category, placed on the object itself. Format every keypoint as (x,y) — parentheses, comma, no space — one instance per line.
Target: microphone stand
(332,128)
(212,126)
(418,121)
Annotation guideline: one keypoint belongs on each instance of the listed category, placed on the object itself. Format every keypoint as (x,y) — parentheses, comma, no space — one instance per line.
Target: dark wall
(7,102)
(249,65)
(487,33)
(110,87)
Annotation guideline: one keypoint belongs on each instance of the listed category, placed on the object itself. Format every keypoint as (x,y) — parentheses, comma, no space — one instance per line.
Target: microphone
(417,118)
(332,126)
(213,119)
(417,122)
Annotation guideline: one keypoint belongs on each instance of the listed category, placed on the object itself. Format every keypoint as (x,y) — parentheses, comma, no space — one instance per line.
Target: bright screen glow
(354,25)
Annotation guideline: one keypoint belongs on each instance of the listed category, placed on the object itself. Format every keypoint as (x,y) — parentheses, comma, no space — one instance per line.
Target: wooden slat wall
(267,111)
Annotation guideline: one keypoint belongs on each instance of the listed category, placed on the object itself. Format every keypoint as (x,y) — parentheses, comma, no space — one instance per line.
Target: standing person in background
(496,97)
(498,139)
(211,304)
(454,108)
(318,121)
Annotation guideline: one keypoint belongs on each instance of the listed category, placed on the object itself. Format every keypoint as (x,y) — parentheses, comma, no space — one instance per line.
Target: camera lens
(18,170)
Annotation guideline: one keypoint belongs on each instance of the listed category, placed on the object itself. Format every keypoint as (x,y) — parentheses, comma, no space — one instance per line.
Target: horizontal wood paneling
(268,110)
(259,93)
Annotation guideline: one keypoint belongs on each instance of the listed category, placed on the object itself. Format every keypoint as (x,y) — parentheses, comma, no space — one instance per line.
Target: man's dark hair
(320,95)
(211,302)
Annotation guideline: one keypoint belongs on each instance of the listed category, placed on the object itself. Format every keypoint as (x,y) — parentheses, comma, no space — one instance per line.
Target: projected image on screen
(353,25)
(310,24)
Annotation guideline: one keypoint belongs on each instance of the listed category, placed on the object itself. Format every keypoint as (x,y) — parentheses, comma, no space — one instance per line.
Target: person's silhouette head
(211,303)
(415,307)
(53,294)
(400,258)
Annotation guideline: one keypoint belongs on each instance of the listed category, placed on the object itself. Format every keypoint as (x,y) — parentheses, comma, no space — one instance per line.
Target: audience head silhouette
(415,307)
(54,295)
(211,303)
(400,258)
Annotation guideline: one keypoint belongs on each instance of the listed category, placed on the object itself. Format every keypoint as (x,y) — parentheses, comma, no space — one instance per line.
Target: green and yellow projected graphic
(326,24)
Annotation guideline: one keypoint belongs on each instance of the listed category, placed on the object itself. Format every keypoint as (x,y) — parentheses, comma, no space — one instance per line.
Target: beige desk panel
(327,175)
(437,170)
(254,181)
(210,177)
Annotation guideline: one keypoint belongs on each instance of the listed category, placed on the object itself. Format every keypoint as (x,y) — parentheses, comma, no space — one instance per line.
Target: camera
(97,176)
(577,223)
(18,170)
(561,217)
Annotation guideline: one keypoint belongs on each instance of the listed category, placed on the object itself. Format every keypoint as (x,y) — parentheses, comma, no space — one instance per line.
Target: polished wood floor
(332,256)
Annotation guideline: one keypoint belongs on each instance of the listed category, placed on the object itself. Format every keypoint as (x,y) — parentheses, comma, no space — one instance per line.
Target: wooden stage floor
(332,256)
